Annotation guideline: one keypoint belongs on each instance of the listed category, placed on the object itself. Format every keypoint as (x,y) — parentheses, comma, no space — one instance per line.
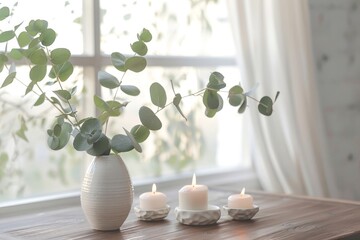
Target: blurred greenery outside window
(191,38)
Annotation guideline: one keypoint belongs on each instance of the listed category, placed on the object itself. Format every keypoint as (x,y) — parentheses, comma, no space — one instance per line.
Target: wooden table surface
(280,217)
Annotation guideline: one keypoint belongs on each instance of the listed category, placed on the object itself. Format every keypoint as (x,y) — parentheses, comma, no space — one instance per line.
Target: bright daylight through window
(191,39)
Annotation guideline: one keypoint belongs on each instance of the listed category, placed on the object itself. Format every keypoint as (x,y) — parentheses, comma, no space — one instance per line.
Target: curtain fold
(273,43)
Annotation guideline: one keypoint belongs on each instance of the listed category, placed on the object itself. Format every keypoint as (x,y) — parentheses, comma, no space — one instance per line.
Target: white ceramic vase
(106,193)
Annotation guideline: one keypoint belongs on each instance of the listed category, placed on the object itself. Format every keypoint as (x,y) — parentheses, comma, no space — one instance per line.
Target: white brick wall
(335,26)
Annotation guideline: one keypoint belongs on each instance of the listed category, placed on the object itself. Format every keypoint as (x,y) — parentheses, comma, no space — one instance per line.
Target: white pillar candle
(193,197)
(152,200)
(242,200)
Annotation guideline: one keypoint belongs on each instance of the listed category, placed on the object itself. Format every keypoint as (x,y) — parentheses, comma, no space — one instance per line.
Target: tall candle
(152,200)
(242,200)
(193,197)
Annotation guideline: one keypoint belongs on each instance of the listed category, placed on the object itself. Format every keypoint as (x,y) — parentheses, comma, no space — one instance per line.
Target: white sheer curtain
(274,49)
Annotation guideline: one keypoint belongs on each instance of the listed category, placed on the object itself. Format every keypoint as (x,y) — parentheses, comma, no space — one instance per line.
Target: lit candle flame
(154,188)
(243,191)
(194,180)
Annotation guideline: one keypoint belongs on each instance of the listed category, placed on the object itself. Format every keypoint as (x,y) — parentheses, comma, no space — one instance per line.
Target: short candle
(240,201)
(193,197)
(152,200)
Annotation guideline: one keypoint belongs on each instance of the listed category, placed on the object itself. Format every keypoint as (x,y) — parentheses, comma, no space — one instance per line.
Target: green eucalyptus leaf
(73,91)
(50,83)
(236,96)
(38,57)
(140,133)
(100,103)
(3,61)
(48,37)
(62,71)
(17,26)
(65,134)
(24,39)
(57,130)
(211,99)
(90,125)
(7,36)
(133,141)
(60,55)
(107,80)
(40,25)
(16,54)
(158,95)
(30,87)
(221,103)
(60,120)
(64,95)
(9,79)
(121,143)
(54,100)
(210,113)
(145,35)
(118,61)
(50,132)
(140,48)
(80,142)
(65,71)
(4,13)
(135,64)
(53,142)
(59,136)
(94,136)
(216,81)
(114,108)
(30,28)
(100,147)
(37,73)
(70,110)
(103,117)
(177,99)
(34,44)
(40,100)
(265,106)
(176,102)
(130,90)
(149,119)
(243,106)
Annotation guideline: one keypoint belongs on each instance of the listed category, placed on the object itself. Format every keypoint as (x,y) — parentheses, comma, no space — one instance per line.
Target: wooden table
(280,217)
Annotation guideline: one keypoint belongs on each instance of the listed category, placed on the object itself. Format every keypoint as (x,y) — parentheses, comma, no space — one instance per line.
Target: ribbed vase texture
(106,193)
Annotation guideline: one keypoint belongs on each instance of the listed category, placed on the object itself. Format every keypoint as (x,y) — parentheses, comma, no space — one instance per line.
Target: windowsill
(232,179)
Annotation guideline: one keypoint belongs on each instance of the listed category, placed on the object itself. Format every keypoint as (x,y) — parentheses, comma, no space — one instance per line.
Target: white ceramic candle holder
(198,217)
(151,215)
(242,214)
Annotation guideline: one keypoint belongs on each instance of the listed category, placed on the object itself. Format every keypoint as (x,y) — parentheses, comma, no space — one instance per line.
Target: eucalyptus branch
(67,101)
(91,137)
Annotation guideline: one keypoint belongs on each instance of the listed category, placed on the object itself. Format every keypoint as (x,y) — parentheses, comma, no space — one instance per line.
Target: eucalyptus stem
(255,100)
(197,93)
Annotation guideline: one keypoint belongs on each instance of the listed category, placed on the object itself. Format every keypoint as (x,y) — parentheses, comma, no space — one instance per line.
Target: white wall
(335,28)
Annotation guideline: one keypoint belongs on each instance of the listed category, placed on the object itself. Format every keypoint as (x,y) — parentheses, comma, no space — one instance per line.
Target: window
(191,38)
